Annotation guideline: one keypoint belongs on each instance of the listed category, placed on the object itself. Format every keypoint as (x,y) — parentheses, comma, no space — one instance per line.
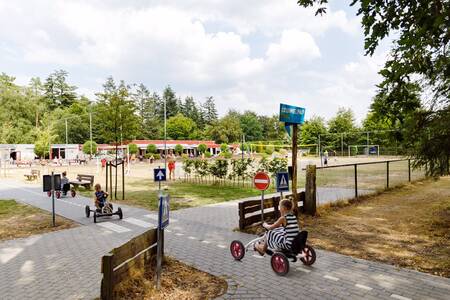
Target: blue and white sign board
(282,181)
(159,174)
(292,114)
(163,216)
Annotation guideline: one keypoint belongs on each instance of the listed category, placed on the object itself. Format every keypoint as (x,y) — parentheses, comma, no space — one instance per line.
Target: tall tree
(226,130)
(57,91)
(311,130)
(180,127)
(251,126)
(172,103)
(209,111)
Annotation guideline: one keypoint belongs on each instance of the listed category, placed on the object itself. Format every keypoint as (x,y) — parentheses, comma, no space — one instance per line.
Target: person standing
(171,169)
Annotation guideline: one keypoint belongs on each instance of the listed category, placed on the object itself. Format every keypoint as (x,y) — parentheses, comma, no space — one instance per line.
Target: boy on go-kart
(100,198)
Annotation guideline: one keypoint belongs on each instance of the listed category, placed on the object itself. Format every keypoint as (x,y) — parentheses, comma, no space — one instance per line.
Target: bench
(86,181)
(34,175)
(20,163)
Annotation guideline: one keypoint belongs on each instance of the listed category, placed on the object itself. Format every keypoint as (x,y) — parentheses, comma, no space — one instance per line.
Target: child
(100,196)
(65,186)
(282,232)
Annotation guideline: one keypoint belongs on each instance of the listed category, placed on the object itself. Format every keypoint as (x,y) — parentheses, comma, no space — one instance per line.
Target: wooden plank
(257,218)
(107,285)
(133,247)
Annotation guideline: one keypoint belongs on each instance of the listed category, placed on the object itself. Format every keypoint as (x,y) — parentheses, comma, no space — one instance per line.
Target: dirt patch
(406,227)
(179,281)
(20,220)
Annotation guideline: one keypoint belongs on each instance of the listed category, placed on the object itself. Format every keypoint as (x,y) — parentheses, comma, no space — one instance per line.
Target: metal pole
(356,181)
(387,174)
(262,206)
(67,139)
(90,130)
(165,135)
(53,199)
(342,144)
(319,149)
(367,143)
(409,170)
(158,257)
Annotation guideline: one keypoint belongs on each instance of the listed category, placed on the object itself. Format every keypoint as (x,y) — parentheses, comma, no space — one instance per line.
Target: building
(189,147)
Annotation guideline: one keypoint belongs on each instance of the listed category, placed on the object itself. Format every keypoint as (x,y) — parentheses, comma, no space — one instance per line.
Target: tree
(420,55)
(87,147)
(146,105)
(178,149)
(190,110)
(180,127)
(133,148)
(209,111)
(227,129)
(172,108)
(43,141)
(224,147)
(311,130)
(272,128)
(251,126)
(342,123)
(202,148)
(57,91)
(151,148)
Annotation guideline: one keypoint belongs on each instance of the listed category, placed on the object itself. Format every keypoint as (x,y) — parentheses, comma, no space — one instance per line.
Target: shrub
(227,154)
(87,147)
(184,155)
(224,147)
(270,149)
(157,156)
(260,148)
(133,148)
(202,148)
(178,149)
(219,168)
(208,154)
(151,148)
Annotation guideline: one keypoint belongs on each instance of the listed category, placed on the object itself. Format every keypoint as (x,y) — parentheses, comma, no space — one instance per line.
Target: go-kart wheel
(73,193)
(87,210)
(95,217)
(309,255)
(119,212)
(49,194)
(58,194)
(279,263)
(237,250)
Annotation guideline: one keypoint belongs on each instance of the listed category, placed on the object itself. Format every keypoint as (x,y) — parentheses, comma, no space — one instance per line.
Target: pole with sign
(282,182)
(261,182)
(163,222)
(52,183)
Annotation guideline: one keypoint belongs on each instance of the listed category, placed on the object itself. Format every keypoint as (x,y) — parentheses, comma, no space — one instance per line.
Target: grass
(178,281)
(407,227)
(19,220)
(144,193)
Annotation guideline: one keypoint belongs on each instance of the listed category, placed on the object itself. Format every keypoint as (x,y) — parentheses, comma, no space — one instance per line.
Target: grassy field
(407,227)
(20,220)
(144,193)
(178,281)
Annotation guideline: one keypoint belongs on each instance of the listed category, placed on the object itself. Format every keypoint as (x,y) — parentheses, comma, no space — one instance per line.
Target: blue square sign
(159,174)
(282,182)
(292,114)
(163,216)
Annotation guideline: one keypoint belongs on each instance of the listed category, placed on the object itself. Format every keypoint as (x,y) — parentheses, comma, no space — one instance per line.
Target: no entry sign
(261,181)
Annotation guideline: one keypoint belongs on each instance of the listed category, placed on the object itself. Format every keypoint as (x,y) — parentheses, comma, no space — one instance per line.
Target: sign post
(261,182)
(52,183)
(293,115)
(282,182)
(163,222)
(159,175)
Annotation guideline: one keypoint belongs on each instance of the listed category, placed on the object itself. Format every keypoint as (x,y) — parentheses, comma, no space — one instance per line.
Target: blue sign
(292,114)
(282,182)
(159,174)
(163,216)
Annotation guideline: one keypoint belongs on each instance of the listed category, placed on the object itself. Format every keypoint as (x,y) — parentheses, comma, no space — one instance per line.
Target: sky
(248,55)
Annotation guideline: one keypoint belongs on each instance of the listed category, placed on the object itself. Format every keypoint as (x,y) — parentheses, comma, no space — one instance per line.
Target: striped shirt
(291,229)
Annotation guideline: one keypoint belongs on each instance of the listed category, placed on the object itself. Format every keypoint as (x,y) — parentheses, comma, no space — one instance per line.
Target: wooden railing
(250,210)
(118,265)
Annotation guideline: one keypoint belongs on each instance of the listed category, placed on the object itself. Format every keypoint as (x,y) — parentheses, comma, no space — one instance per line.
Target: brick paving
(66,264)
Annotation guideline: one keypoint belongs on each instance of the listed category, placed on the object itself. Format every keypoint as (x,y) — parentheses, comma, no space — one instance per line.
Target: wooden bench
(20,163)
(34,175)
(86,181)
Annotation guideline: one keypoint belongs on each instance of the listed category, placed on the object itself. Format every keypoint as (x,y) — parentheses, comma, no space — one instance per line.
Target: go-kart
(279,258)
(106,211)
(63,193)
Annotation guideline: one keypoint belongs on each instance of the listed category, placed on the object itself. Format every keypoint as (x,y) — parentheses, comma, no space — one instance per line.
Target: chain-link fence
(353,180)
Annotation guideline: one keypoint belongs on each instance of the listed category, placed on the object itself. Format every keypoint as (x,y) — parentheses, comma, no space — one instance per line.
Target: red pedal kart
(279,258)
(63,193)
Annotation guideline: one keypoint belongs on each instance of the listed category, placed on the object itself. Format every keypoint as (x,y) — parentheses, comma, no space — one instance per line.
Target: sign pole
(262,206)
(158,256)
(294,166)
(53,199)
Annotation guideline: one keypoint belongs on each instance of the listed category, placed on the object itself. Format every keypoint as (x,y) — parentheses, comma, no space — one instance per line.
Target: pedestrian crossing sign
(282,182)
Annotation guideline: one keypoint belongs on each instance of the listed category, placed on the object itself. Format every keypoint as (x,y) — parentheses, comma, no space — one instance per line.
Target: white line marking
(257,256)
(364,287)
(331,277)
(206,242)
(138,222)
(168,230)
(114,227)
(261,181)
(192,238)
(399,297)
(179,234)
(155,217)
(221,246)
(303,270)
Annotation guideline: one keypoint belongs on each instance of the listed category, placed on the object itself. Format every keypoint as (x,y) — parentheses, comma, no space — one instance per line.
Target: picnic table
(86,181)
(34,175)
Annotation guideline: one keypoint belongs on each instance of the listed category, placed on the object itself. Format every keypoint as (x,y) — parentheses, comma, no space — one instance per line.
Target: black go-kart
(279,258)
(63,193)
(106,211)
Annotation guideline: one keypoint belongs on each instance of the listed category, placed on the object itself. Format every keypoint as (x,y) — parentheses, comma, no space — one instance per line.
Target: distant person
(171,169)
(100,197)
(325,158)
(65,185)
(152,158)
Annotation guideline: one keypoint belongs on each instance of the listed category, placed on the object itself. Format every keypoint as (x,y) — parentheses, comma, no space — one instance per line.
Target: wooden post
(387,174)
(409,170)
(310,190)
(107,287)
(241,216)
(294,166)
(356,181)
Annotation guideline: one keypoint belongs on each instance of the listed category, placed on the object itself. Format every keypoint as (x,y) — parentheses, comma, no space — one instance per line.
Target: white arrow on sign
(160,175)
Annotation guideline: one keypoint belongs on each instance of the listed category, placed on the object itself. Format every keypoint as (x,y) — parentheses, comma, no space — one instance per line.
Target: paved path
(66,264)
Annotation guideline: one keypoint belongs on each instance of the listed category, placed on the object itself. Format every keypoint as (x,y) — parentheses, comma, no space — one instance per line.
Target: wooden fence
(117,265)
(250,210)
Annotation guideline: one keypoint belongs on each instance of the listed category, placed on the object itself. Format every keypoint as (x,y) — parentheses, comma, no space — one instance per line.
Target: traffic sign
(282,181)
(261,181)
(292,114)
(159,174)
(163,217)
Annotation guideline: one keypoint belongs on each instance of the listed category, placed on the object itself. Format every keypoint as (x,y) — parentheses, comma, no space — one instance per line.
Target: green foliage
(57,91)
(43,141)
(251,126)
(227,129)
(178,149)
(133,148)
(201,167)
(224,147)
(188,165)
(260,148)
(219,168)
(202,148)
(208,154)
(209,111)
(277,165)
(180,127)
(226,154)
(151,148)
(87,147)
(311,129)
(270,149)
